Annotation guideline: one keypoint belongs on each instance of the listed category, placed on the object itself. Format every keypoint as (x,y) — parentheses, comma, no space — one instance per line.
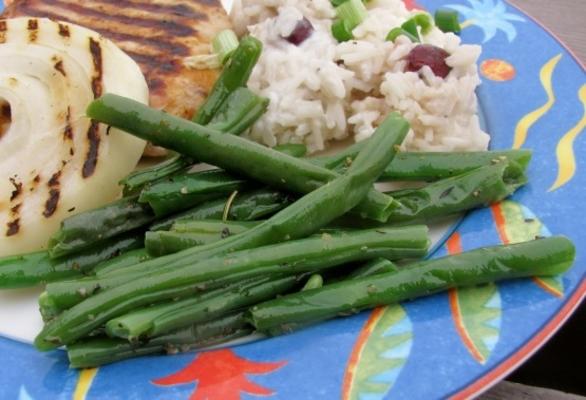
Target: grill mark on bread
(13,227)
(167,25)
(68,130)
(96,52)
(91,158)
(93,133)
(17,189)
(5,117)
(33,30)
(180,10)
(3,28)
(54,195)
(59,67)
(64,31)
(164,47)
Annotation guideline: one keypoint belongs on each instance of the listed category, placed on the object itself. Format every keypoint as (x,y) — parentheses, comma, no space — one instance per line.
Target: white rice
(322,90)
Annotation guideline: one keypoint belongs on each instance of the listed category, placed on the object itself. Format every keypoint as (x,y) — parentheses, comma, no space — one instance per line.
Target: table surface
(565,18)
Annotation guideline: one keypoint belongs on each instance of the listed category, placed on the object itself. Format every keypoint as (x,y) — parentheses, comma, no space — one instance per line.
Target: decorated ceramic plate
(454,344)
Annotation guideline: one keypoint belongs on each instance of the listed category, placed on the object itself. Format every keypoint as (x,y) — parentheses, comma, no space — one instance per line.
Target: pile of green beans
(270,241)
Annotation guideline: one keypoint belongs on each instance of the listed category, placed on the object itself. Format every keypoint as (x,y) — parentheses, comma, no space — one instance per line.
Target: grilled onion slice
(54,161)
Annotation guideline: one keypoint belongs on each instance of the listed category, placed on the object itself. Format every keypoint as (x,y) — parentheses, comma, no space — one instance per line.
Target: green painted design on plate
(522,225)
(480,313)
(384,355)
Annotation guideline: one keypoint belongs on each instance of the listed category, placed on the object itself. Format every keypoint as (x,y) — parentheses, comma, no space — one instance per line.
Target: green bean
(134,182)
(125,260)
(545,257)
(223,228)
(181,191)
(477,188)
(186,234)
(85,230)
(373,267)
(234,75)
(97,352)
(291,258)
(38,268)
(239,112)
(248,206)
(160,243)
(236,154)
(48,308)
(435,166)
(429,166)
(294,150)
(167,317)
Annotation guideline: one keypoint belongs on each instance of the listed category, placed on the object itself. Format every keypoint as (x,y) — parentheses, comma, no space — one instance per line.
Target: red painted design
(499,220)
(461,329)
(221,375)
(357,351)
(412,5)
(454,246)
(548,288)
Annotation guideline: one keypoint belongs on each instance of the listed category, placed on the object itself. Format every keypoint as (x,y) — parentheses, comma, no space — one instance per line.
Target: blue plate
(453,344)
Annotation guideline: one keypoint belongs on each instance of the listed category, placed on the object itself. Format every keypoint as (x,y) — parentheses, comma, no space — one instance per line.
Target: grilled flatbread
(158,34)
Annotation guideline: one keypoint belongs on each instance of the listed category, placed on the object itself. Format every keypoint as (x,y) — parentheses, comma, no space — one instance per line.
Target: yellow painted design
(565,149)
(84,383)
(467,23)
(545,76)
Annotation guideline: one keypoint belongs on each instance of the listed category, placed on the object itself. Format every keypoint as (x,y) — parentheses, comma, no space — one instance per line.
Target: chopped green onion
(203,61)
(353,12)
(341,30)
(396,32)
(424,21)
(224,44)
(410,26)
(447,20)
(228,206)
